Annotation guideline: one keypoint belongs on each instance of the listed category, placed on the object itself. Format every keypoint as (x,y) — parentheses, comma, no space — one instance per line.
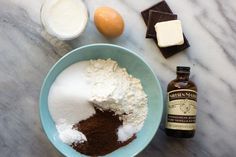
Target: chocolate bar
(162,6)
(167,51)
(154,17)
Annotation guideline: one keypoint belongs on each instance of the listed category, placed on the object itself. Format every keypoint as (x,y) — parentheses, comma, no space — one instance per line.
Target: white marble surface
(27,53)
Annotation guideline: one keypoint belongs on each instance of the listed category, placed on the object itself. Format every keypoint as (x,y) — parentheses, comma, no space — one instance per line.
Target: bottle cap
(182,69)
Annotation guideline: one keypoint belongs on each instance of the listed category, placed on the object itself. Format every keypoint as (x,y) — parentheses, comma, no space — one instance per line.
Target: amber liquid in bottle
(181,105)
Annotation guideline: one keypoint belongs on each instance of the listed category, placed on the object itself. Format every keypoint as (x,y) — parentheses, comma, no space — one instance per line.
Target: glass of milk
(64,19)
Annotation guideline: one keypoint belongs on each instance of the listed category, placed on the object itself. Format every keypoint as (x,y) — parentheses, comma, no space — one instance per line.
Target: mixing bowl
(135,66)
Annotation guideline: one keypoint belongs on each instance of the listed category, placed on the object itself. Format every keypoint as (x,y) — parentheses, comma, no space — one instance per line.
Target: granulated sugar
(69,95)
(68,101)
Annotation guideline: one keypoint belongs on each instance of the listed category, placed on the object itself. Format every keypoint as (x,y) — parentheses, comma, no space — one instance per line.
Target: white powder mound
(114,89)
(128,130)
(69,135)
(69,95)
(68,102)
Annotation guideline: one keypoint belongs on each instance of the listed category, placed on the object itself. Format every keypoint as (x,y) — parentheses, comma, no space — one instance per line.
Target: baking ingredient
(114,89)
(109,22)
(160,6)
(70,135)
(155,17)
(97,84)
(65,19)
(181,105)
(68,101)
(101,133)
(69,95)
(169,33)
(128,130)
(166,51)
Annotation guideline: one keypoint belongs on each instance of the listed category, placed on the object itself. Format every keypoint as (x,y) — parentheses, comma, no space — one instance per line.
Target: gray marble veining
(27,53)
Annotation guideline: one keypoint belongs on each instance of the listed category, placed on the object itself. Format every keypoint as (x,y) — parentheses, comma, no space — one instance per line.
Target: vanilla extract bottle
(181,105)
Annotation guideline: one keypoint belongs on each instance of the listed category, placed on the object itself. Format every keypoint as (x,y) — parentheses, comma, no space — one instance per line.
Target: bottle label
(181,109)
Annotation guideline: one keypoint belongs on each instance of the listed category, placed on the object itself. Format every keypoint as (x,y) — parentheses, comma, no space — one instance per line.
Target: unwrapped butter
(169,33)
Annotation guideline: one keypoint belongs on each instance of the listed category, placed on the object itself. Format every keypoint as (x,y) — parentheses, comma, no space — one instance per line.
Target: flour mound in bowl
(88,88)
(114,89)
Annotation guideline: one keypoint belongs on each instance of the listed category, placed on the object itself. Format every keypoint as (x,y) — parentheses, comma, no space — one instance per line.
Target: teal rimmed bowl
(135,66)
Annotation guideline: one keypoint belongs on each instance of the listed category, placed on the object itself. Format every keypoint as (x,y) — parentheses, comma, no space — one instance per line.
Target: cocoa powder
(101,133)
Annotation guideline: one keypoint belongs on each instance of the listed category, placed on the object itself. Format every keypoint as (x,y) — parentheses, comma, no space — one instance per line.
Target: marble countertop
(27,53)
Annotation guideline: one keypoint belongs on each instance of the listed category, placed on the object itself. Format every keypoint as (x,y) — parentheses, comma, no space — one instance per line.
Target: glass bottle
(181,105)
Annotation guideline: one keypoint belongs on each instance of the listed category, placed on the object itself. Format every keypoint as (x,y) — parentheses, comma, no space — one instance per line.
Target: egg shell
(109,22)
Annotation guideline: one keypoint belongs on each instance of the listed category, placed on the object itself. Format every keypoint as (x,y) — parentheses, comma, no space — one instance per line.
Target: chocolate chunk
(166,51)
(154,17)
(162,6)
(170,51)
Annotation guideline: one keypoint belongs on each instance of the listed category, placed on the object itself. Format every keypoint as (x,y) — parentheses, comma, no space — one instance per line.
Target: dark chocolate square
(171,50)
(154,17)
(167,51)
(161,6)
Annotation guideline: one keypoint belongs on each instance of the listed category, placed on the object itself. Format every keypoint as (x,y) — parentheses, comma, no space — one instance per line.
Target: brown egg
(109,22)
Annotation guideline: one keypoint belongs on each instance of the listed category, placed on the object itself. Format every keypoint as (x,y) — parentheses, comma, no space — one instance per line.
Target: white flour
(104,84)
(114,89)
